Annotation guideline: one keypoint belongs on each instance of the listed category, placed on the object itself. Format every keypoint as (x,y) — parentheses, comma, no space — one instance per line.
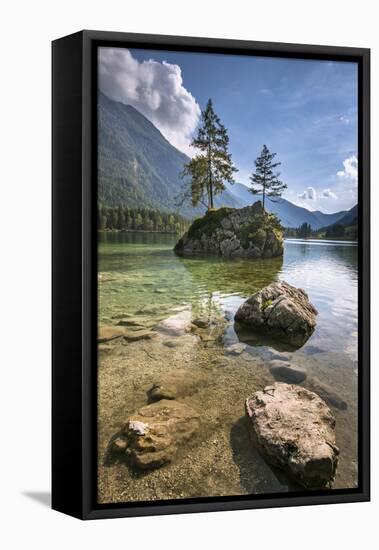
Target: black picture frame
(74,314)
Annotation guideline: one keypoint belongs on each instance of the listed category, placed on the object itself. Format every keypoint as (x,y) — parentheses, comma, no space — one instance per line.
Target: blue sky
(305,111)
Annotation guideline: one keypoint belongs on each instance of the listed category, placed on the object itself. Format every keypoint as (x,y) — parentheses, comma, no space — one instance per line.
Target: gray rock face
(294,429)
(154,434)
(248,232)
(282,310)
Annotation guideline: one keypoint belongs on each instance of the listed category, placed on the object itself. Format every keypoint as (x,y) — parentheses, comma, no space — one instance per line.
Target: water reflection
(146,271)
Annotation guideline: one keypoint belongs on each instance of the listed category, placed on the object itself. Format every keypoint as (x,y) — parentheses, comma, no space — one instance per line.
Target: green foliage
(351,232)
(259,237)
(140,219)
(208,223)
(305,231)
(264,180)
(266,304)
(257,229)
(335,231)
(208,171)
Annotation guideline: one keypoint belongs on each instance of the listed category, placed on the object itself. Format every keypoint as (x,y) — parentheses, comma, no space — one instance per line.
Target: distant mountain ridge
(290,214)
(351,217)
(138,167)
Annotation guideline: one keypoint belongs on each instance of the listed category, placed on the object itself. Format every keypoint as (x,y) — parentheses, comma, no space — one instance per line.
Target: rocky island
(248,232)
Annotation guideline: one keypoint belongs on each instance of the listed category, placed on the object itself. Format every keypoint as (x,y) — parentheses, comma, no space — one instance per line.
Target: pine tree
(112,220)
(213,166)
(120,218)
(305,231)
(264,180)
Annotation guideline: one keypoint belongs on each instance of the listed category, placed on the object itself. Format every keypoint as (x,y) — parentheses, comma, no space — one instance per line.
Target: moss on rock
(231,232)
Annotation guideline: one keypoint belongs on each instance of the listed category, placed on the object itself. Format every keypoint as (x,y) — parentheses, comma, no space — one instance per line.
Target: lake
(140,275)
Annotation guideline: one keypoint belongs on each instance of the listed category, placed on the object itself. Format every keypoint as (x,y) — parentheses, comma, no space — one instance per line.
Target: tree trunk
(210,204)
(263,195)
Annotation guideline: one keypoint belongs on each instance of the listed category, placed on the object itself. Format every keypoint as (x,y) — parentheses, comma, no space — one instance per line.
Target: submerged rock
(107,333)
(174,384)
(119,445)
(175,325)
(281,310)
(285,372)
(136,335)
(294,429)
(248,232)
(104,348)
(133,322)
(154,434)
(235,349)
(201,322)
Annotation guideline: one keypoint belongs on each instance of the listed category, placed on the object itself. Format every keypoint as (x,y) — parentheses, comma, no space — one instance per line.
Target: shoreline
(310,239)
(137,231)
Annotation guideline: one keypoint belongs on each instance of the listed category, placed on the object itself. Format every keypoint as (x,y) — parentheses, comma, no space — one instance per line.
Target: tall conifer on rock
(265,181)
(212,167)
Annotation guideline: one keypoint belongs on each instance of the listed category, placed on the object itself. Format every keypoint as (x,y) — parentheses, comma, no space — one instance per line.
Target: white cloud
(328,194)
(309,193)
(350,170)
(156,89)
(344,119)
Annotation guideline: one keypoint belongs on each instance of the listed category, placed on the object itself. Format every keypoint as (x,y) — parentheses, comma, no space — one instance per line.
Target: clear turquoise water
(139,271)
(146,271)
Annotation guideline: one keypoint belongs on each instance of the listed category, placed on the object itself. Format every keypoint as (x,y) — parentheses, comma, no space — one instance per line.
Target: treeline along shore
(140,219)
(334,232)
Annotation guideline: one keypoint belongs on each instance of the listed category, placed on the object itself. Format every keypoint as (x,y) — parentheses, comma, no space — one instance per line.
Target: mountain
(137,166)
(289,214)
(351,217)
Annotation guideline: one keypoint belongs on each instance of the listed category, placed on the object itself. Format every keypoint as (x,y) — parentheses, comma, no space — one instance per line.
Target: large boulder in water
(294,429)
(248,232)
(152,436)
(282,311)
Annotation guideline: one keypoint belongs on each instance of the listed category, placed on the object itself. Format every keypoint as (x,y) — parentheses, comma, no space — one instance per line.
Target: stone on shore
(294,429)
(280,310)
(155,433)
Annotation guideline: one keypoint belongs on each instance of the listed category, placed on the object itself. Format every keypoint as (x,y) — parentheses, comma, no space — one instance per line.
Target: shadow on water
(256,476)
